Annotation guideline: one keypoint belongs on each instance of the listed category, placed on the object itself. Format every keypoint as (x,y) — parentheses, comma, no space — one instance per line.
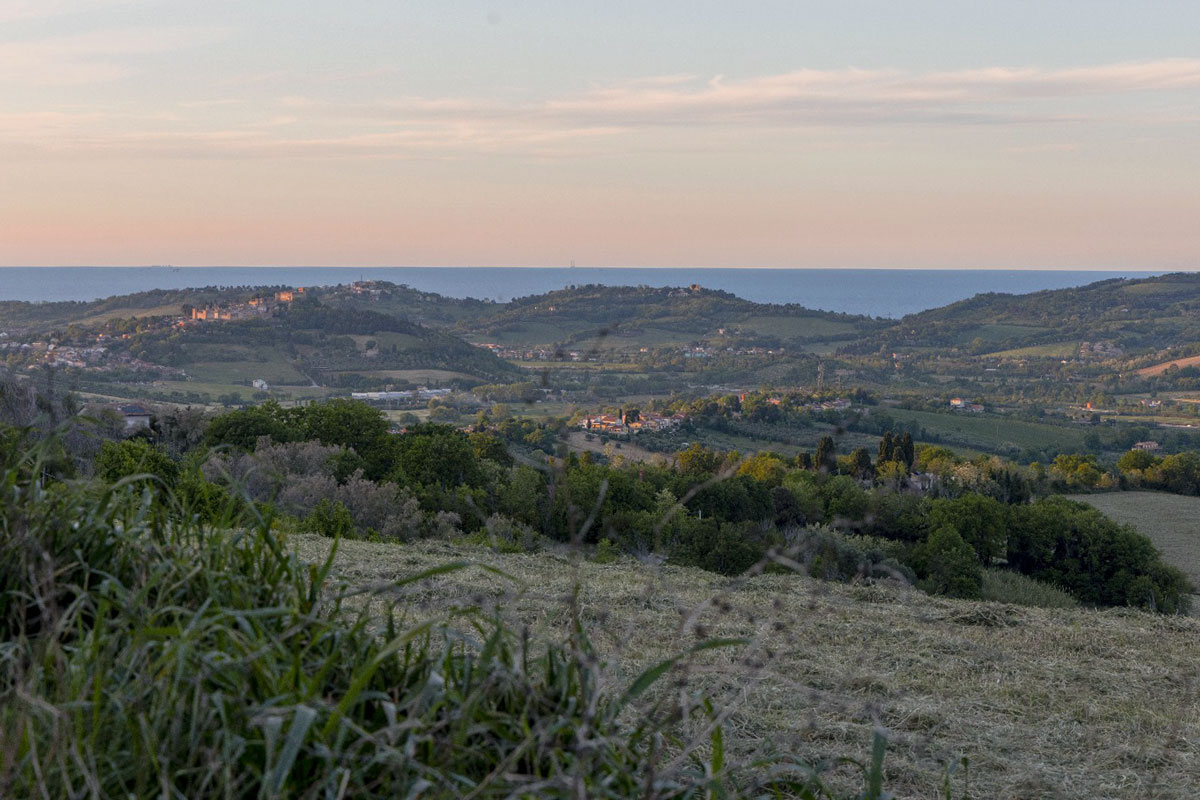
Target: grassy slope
(991,431)
(629,317)
(1140,315)
(1063,703)
(1171,521)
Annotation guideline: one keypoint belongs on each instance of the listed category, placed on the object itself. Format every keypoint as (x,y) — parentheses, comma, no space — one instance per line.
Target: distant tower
(820,376)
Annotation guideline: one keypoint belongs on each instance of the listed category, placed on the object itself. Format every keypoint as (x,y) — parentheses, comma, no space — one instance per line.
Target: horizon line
(598,267)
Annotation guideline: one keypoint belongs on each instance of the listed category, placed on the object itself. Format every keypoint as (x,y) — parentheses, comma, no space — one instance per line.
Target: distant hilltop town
(258,306)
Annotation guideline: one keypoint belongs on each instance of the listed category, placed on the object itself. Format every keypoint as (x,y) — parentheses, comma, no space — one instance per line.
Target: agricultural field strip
(992,429)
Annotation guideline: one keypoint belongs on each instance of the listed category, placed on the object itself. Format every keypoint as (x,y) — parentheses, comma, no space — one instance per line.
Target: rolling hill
(1130,316)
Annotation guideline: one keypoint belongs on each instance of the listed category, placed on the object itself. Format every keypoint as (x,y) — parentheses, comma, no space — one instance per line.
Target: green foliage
(1075,471)
(831,555)
(844,499)
(606,552)
(329,518)
(724,547)
(435,455)
(125,459)
(948,565)
(1074,546)
(1139,460)
(243,428)
(825,458)
(698,461)
(1005,586)
(981,521)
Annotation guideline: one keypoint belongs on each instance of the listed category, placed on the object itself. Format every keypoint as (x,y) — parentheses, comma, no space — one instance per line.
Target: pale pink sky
(137,132)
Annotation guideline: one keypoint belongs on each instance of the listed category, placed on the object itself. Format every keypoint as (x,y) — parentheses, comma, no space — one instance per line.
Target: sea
(890,293)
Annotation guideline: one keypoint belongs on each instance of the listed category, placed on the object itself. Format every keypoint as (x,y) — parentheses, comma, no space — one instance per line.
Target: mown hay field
(1061,703)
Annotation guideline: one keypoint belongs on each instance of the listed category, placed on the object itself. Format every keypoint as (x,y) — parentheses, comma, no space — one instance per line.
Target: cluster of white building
(644,421)
(420,393)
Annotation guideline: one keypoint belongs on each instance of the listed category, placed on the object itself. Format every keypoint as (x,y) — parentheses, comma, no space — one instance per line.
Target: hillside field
(1043,703)
(1171,521)
(1159,369)
(995,433)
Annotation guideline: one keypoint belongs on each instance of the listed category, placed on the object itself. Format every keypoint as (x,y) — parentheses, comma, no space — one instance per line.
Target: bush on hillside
(1005,586)
(948,565)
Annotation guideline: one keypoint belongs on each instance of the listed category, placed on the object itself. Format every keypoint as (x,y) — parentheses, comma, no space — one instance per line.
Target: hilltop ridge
(1137,315)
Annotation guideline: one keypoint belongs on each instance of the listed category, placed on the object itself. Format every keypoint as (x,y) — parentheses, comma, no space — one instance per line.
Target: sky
(858,133)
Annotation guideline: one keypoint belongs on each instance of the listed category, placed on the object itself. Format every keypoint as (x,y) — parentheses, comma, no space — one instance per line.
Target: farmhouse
(137,417)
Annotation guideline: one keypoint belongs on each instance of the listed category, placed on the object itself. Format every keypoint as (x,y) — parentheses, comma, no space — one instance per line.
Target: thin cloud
(93,57)
(856,97)
(605,119)
(18,10)
(844,95)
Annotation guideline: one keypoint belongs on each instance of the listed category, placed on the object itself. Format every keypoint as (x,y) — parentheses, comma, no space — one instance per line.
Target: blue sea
(874,292)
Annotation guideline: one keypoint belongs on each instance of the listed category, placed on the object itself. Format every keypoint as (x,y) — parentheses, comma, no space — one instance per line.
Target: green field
(1171,521)
(413,375)
(170,310)
(998,332)
(531,333)
(1054,350)
(788,327)
(402,341)
(215,389)
(991,432)
(273,372)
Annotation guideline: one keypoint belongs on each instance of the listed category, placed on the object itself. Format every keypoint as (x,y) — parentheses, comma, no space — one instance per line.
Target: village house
(963,405)
(628,423)
(137,417)
(211,313)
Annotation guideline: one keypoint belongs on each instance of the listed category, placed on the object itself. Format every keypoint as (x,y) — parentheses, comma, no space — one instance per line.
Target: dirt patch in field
(1159,369)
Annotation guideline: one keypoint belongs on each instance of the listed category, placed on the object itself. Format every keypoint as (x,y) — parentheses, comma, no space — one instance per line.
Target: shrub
(727,547)
(506,536)
(446,524)
(1075,547)
(131,457)
(1006,586)
(606,552)
(329,518)
(948,565)
(831,555)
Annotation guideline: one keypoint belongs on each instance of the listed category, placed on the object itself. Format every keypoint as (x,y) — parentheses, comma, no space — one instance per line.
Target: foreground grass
(143,654)
(1044,703)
